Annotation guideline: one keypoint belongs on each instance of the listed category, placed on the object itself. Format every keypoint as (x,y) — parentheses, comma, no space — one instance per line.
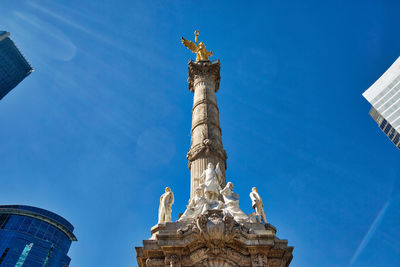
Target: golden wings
(189,44)
(200,49)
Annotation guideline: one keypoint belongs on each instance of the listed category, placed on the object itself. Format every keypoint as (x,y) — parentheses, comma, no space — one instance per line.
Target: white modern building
(384,96)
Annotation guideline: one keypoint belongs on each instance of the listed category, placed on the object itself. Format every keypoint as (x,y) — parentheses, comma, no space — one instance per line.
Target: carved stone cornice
(259,260)
(204,69)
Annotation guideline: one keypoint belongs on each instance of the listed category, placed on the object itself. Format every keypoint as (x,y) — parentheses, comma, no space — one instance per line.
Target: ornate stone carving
(204,69)
(234,255)
(219,261)
(173,260)
(259,260)
(215,237)
(188,229)
(154,262)
(217,229)
(207,147)
(274,262)
(198,254)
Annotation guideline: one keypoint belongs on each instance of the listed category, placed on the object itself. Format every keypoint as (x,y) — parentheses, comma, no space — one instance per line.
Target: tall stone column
(206,142)
(207,234)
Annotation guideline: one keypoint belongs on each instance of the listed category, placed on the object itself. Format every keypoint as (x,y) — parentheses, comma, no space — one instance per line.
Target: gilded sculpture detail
(198,48)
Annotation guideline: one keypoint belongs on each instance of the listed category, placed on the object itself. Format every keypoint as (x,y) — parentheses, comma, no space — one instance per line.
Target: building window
(14,222)
(50,233)
(25,225)
(387,129)
(396,139)
(383,124)
(42,230)
(4,220)
(391,134)
(4,255)
(33,228)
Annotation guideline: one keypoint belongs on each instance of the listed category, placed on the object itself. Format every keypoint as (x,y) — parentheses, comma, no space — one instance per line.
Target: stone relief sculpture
(196,206)
(231,200)
(258,205)
(165,209)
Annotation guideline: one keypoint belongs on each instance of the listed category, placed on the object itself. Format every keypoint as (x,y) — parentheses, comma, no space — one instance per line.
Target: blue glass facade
(50,234)
(13,66)
(386,127)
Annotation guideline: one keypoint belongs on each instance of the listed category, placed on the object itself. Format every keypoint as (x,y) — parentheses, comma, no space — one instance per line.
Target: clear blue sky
(103,124)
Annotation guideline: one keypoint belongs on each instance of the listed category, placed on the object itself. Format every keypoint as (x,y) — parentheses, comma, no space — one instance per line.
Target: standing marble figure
(258,205)
(165,209)
(212,182)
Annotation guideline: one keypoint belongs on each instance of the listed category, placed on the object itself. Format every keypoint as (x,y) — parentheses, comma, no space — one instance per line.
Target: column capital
(204,69)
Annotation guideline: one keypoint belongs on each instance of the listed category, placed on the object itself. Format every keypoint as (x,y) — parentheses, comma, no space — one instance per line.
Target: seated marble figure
(231,206)
(196,206)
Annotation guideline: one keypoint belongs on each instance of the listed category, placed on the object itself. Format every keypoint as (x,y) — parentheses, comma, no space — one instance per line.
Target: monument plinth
(213,230)
(214,239)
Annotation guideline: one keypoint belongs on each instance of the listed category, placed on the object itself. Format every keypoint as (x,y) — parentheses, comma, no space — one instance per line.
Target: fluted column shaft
(206,142)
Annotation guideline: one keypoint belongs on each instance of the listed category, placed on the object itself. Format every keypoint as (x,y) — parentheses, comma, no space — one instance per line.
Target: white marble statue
(212,179)
(196,206)
(165,209)
(258,205)
(231,206)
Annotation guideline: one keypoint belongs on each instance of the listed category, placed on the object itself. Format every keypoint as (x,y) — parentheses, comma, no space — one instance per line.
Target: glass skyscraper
(384,96)
(33,237)
(13,66)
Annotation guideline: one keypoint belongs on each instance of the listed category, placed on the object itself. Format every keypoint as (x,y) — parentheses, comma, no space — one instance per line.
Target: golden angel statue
(198,48)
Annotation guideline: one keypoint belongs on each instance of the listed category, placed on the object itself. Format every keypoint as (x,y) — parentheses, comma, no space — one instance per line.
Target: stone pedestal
(206,142)
(214,239)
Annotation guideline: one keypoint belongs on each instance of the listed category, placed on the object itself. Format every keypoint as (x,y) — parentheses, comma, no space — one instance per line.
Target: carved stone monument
(213,231)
